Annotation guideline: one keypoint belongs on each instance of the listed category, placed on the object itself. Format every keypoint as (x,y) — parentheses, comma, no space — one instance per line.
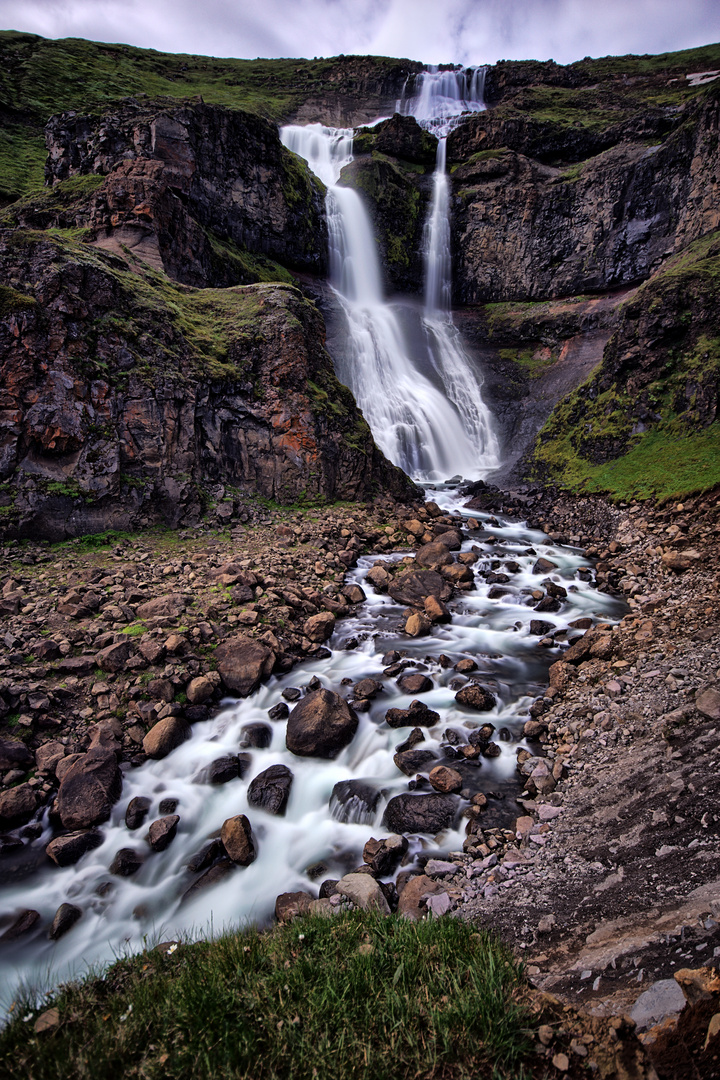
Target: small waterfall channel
(431,426)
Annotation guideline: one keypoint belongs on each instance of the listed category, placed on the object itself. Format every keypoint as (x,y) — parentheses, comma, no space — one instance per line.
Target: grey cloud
(434,31)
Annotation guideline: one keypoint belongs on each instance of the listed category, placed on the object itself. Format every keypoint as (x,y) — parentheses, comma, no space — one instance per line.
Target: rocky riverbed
(607,880)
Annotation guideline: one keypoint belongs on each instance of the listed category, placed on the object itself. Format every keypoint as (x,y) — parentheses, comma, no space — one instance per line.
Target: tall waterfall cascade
(426,411)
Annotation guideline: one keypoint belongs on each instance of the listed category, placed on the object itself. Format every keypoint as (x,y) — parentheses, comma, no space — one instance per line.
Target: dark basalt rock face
(174,171)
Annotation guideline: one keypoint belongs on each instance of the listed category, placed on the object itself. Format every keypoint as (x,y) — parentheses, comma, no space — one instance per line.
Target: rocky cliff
(128,399)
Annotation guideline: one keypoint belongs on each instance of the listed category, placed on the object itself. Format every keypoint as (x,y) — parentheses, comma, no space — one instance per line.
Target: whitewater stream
(427,414)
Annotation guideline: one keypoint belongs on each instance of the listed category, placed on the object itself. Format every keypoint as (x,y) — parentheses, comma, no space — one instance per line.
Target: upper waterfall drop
(426,413)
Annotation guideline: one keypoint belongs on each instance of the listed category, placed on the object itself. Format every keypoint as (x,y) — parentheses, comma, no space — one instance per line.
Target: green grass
(305,1000)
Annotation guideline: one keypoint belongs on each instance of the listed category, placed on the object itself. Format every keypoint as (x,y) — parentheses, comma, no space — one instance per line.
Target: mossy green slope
(342,998)
(645,424)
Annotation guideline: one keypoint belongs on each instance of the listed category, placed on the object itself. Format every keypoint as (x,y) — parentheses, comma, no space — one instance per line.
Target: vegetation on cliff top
(354,996)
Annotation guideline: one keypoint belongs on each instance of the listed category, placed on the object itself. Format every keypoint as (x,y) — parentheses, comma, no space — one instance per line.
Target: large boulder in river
(474,696)
(17,806)
(354,801)
(433,555)
(89,790)
(321,725)
(430,814)
(411,587)
(166,736)
(66,850)
(238,841)
(243,664)
(270,790)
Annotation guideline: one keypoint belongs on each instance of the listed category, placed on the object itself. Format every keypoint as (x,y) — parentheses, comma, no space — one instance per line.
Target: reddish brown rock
(238,841)
(445,779)
(89,789)
(66,850)
(319,628)
(166,736)
(17,806)
(321,725)
(243,663)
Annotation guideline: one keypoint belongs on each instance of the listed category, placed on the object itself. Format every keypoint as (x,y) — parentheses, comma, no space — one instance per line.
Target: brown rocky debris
(243,664)
(445,779)
(89,790)
(412,586)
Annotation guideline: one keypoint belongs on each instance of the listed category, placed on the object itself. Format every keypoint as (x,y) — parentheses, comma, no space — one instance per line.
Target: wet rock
(416,736)
(354,801)
(433,556)
(378,578)
(199,690)
(549,604)
(328,889)
(290,905)
(127,862)
(412,762)
(17,806)
(137,811)
(321,725)
(367,688)
(354,593)
(213,876)
(243,664)
(14,755)
(166,736)
(539,628)
(417,625)
(417,714)
(474,696)
(238,841)
(429,814)
(279,711)
(446,779)
(364,892)
(257,735)
(319,628)
(67,850)
(458,574)
(436,611)
(89,790)
(415,683)
(270,790)
(411,587)
(65,918)
(382,856)
(206,856)
(162,832)
(450,539)
(23,924)
(221,771)
(544,566)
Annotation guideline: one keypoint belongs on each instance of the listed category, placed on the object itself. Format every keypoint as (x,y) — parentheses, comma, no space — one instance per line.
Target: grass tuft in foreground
(352,996)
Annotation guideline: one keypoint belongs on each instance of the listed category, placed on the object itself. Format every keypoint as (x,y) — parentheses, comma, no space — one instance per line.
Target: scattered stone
(243,663)
(291,905)
(127,862)
(270,790)
(67,850)
(137,811)
(319,628)
(417,714)
(321,725)
(89,790)
(446,779)
(65,918)
(23,924)
(162,832)
(166,736)
(364,892)
(474,696)
(415,683)
(428,814)
(238,841)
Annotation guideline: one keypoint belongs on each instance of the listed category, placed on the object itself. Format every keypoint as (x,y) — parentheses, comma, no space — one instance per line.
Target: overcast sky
(433,31)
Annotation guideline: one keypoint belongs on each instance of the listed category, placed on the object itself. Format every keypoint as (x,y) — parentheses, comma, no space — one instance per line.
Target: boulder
(319,628)
(708,703)
(66,850)
(17,806)
(221,771)
(415,683)
(366,688)
(15,755)
(680,560)
(445,779)
(243,664)
(436,611)
(212,876)
(114,657)
(382,856)
(170,604)
(432,556)
(89,790)
(354,801)
(65,918)
(429,814)
(474,696)
(544,566)
(411,587)
(412,762)
(162,832)
(417,715)
(364,892)
(270,790)
(127,862)
(417,625)
(238,841)
(137,811)
(279,711)
(257,734)
(411,904)
(166,736)
(321,725)
(378,578)
(289,905)
(106,734)
(24,922)
(199,690)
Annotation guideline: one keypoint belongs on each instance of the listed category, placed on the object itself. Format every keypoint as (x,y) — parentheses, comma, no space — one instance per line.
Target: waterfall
(421,420)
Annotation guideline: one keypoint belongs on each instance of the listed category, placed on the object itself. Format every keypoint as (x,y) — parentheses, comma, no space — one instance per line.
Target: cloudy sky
(433,31)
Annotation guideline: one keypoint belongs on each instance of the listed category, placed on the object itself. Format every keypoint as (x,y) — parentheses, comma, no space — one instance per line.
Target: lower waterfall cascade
(427,415)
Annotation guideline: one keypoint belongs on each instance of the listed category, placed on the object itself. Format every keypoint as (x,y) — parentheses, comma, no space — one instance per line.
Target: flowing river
(427,414)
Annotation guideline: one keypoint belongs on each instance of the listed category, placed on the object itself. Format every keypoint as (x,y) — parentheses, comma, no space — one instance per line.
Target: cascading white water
(426,429)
